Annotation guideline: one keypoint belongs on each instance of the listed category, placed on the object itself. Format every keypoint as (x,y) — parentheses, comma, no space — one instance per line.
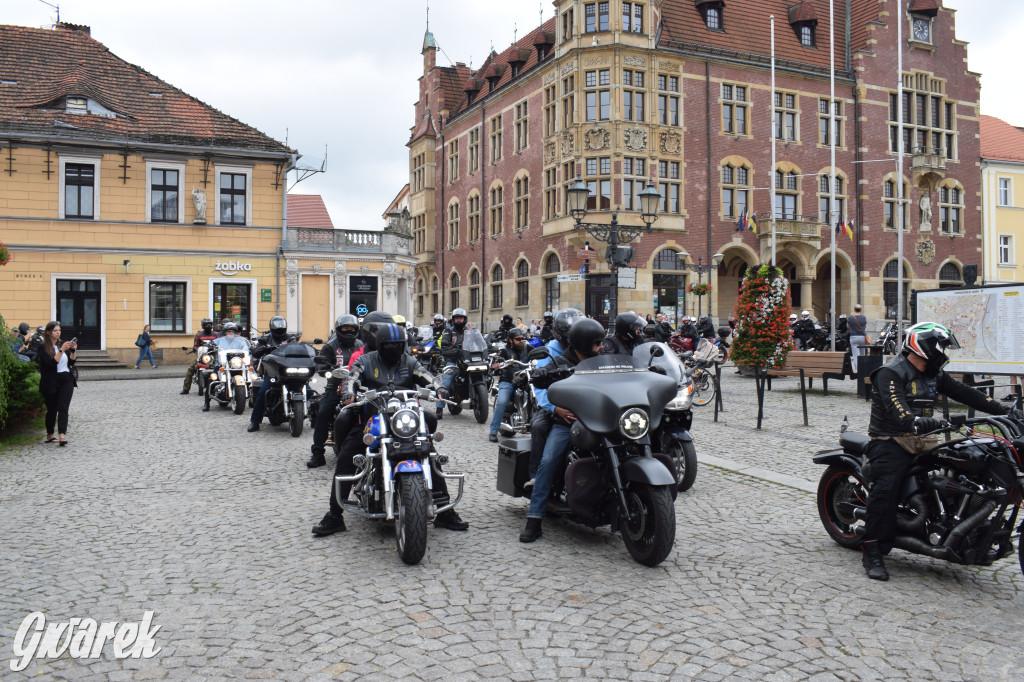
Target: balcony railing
(794,225)
(320,239)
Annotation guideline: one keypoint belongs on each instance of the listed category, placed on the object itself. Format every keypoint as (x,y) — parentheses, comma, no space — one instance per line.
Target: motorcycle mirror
(185,348)
(371,395)
(424,392)
(538,353)
(657,352)
(318,341)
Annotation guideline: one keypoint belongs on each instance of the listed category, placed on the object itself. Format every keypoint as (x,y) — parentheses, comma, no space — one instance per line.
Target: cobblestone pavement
(157,506)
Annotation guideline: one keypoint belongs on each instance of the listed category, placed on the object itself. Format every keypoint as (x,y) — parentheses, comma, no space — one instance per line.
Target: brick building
(617,92)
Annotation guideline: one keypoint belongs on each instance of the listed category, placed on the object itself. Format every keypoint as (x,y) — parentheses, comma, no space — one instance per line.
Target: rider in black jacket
(277,336)
(387,366)
(501,333)
(629,333)
(204,336)
(451,347)
(547,331)
(915,375)
(335,353)
(515,349)
(705,327)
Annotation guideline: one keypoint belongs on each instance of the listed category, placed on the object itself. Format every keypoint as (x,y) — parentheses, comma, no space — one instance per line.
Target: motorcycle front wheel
(840,491)
(239,399)
(480,403)
(411,518)
(650,534)
(684,454)
(298,417)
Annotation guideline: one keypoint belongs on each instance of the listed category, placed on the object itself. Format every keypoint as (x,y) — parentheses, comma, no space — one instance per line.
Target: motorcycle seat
(854,442)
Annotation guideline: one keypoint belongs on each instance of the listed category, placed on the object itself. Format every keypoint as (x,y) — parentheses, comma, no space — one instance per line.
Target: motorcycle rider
(438,326)
(547,331)
(502,332)
(515,349)
(231,340)
(688,330)
(803,330)
(662,329)
(204,336)
(389,365)
(706,327)
(629,333)
(544,417)
(585,338)
(277,336)
(914,374)
(337,352)
(451,348)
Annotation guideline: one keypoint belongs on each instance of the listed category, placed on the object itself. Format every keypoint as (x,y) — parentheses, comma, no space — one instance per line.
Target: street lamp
(613,233)
(700,269)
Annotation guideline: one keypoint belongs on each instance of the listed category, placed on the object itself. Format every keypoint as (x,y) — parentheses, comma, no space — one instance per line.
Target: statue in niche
(926,211)
(199,201)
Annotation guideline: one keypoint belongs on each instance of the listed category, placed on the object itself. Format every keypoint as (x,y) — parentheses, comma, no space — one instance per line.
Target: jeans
(145,352)
(447,381)
(540,427)
(554,449)
(505,391)
(856,349)
(259,405)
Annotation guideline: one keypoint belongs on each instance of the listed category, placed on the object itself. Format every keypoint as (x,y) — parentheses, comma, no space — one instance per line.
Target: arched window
(735,190)
(667,259)
(950,276)
(497,288)
(473,214)
(890,199)
(890,288)
(522,201)
(522,283)
(433,296)
(552,290)
(787,190)
(453,295)
(826,216)
(474,289)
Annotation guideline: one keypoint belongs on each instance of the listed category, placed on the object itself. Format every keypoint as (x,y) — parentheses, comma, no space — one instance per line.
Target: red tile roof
(41,67)
(308,210)
(1001,141)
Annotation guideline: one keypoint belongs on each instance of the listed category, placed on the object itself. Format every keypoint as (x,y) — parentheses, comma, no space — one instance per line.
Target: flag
(741,222)
(839,227)
(752,224)
(849,230)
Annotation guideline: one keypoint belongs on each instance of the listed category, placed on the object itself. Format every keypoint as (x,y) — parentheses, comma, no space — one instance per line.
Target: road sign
(572,278)
(587,253)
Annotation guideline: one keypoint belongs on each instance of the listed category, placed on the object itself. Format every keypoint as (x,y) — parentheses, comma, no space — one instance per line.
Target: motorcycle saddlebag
(513,465)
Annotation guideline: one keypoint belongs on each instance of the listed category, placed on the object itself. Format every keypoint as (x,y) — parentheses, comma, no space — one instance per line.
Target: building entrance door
(599,301)
(78,311)
(233,302)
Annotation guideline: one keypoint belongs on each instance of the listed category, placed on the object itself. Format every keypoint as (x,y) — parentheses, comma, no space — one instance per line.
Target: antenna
(56,7)
(541,13)
(515,34)
(428,16)
(301,173)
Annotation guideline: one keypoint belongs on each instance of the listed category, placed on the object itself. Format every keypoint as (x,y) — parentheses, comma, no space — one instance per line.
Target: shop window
(167,306)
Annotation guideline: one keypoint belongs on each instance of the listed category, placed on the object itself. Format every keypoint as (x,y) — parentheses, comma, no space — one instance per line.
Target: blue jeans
(447,380)
(505,391)
(145,352)
(259,405)
(554,450)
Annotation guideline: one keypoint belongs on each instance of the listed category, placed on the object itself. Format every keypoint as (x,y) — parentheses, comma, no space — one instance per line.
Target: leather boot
(874,564)
(450,520)
(317,460)
(532,530)
(329,525)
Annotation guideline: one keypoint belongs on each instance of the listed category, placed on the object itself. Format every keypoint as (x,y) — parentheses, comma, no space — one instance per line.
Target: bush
(19,384)
(763,336)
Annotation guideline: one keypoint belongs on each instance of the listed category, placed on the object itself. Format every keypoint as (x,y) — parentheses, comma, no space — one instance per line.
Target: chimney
(81,28)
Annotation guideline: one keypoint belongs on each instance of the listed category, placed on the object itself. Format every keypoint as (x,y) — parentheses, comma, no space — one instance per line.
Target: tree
(763,336)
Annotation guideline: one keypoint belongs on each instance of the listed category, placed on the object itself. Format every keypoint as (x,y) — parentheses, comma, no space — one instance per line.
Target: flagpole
(832,162)
(899,175)
(771,174)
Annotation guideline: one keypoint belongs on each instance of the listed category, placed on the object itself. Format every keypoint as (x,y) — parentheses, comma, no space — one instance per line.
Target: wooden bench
(811,365)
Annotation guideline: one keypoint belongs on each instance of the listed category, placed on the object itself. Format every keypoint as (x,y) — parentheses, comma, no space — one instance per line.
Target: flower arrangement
(5,254)
(763,337)
(699,288)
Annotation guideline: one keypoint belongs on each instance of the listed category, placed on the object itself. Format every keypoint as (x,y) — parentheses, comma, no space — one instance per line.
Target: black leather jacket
(547,332)
(689,331)
(707,329)
(616,345)
(370,371)
(451,342)
(501,333)
(267,343)
(898,382)
(509,353)
(332,354)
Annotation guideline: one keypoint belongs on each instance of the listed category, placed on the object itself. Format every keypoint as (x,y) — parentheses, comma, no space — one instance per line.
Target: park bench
(811,365)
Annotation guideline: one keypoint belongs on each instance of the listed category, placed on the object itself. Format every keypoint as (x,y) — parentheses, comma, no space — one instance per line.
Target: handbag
(139,342)
(867,340)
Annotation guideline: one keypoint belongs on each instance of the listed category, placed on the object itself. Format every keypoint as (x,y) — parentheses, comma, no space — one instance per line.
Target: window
(76,105)
(785,116)
(786,193)
(668,104)
(522,202)
(928,120)
(453,223)
(568,177)
(568,25)
(632,17)
(167,307)
(497,274)
(734,109)
(598,96)
(453,295)
(522,283)
(474,289)
(163,193)
(825,215)
(474,149)
(890,288)
(890,198)
(667,171)
(633,99)
(950,209)
(79,190)
(495,139)
(1005,192)
(949,276)
(418,179)
(568,101)
(805,31)
(823,121)
(234,199)
(633,172)
(473,216)
(713,15)
(550,193)
(599,182)
(1005,249)
(433,298)
(735,190)
(552,289)
(522,127)
(595,17)
(550,109)
(453,161)
(419,232)
(497,204)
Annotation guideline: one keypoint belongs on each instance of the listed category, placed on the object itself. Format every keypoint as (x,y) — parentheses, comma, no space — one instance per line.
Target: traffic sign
(572,278)
(587,253)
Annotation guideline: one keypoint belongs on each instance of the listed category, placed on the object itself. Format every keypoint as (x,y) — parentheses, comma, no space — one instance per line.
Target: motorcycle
(230,381)
(472,376)
(672,436)
(290,367)
(205,359)
(959,501)
(887,339)
(612,478)
(520,409)
(822,339)
(392,480)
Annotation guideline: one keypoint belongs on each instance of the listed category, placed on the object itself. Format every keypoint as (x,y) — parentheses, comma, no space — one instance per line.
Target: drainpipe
(442,277)
(284,234)
(707,131)
(858,175)
(483,232)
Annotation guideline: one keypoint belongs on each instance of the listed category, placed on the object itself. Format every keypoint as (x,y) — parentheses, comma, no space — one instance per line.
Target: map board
(987,321)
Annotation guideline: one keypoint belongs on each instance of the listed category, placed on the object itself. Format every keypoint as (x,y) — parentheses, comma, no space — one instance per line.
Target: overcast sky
(344,73)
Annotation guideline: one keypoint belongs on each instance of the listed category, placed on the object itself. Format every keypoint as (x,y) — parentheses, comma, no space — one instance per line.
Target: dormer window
(806,34)
(711,11)
(76,105)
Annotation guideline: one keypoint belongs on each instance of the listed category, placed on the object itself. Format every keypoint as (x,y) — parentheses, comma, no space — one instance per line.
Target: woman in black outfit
(56,382)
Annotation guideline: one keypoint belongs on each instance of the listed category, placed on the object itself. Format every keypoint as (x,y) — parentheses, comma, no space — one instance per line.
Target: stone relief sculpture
(635,61)
(291,276)
(926,251)
(635,139)
(199,201)
(568,143)
(671,143)
(597,139)
(926,211)
(340,275)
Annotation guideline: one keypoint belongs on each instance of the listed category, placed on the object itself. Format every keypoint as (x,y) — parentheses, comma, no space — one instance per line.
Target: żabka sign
(227,267)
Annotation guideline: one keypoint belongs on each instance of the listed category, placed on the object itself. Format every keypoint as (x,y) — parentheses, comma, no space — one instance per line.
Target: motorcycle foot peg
(441,460)
(358,460)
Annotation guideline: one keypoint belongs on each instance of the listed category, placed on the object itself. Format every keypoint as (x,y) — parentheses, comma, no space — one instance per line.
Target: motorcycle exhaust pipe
(970,523)
(911,544)
(916,524)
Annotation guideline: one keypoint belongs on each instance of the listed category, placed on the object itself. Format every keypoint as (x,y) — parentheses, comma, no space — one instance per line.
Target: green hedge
(19,384)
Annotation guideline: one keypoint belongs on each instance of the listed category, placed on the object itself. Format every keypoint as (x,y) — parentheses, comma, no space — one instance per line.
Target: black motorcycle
(959,501)
(672,436)
(472,376)
(519,411)
(612,478)
(888,338)
(289,368)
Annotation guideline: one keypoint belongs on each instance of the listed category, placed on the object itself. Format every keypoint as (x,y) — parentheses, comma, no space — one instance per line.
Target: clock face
(922,30)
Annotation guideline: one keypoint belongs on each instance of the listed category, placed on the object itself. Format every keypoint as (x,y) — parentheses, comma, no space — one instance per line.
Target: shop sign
(228,267)
(364,285)
(265,296)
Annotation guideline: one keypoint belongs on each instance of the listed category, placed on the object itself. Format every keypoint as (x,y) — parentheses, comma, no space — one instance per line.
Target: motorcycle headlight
(683,399)
(634,423)
(405,423)
(297,370)
(235,362)
(206,359)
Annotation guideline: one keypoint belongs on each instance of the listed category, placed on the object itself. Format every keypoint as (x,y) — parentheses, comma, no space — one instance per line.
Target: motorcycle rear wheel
(684,454)
(295,424)
(839,491)
(411,518)
(650,535)
(480,408)
(703,388)
(239,405)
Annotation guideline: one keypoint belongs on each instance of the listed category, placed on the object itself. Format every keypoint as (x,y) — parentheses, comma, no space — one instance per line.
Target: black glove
(549,374)
(443,393)
(924,425)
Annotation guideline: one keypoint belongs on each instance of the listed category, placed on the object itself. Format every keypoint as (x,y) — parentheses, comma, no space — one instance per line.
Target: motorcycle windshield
(473,342)
(605,386)
(669,362)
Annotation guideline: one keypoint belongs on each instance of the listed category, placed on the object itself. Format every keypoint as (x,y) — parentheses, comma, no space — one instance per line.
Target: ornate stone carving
(568,143)
(291,276)
(668,66)
(364,271)
(390,279)
(671,143)
(926,211)
(635,139)
(596,139)
(568,67)
(550,78)
(340,277)
(926,251)
(596,61)
(199,202)
(635,61)
(550,152)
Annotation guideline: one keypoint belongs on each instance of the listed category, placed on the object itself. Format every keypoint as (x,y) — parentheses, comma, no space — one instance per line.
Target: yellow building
(126,202)
(1002,174)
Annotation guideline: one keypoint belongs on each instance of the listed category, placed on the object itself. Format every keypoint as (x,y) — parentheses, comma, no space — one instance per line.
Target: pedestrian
(144,343)
(858,325)
(56,380)
(732,321)
(519,324)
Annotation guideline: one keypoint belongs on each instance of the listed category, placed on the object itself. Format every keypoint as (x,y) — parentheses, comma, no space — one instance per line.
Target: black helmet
(368,332)
(278,328)
(230,327)
(584,334)
(515,333)
(390,340)
(506,320)
(929,340)
(23,328)
(465,318)
(347,335)
(563,320)
(630,326)
(548,316)
(206,324)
